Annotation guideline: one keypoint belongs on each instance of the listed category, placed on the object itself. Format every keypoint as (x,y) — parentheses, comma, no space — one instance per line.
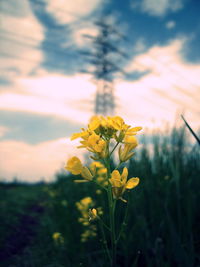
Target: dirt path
(23,234)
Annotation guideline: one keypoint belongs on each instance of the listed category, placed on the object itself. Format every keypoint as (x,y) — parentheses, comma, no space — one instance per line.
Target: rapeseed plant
(88,214)
(101,138)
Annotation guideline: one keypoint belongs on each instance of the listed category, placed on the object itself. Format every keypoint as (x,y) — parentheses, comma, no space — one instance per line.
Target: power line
(38,4)
(166,66)
(49,66)
(171,70)
(36,47)
(63,10)
(71,25)
(171,98)
(172,82)
(6,32)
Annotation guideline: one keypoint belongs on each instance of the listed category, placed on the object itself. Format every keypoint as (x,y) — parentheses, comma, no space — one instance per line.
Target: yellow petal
(133,182)
(94,123)
(115,183)
(102,171)
(124,175)
(133,130)
(128,156)
(75,135)
(92,214)
(131,140)
(116,175)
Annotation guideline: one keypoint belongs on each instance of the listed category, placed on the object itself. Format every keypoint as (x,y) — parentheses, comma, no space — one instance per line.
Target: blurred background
(63,61)
(50,73)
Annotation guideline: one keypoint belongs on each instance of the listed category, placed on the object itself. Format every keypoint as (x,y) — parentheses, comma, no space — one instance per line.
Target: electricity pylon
(103,57)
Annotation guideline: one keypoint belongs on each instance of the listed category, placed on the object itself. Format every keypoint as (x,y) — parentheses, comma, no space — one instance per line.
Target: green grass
(163,213)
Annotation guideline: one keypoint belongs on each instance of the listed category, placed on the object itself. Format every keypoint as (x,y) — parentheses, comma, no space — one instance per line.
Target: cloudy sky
(45,96)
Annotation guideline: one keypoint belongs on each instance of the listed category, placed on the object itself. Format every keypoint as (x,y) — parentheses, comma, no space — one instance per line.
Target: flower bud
(86,174)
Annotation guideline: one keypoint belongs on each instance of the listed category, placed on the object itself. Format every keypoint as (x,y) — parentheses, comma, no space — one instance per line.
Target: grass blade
(192,132)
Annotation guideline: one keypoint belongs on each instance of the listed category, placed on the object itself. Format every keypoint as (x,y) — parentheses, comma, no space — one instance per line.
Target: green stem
(114,148)
(104,224)
(112,226)
(123,223)
(117,167)
(101,186)
(105,241)
(111,203)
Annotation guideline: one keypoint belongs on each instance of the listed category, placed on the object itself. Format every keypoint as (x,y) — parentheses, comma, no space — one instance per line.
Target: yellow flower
(74,165)
(120,184)
(88,214)
(100,172)
(94,123)
(86,201)
(89,233)
(92,214)
(94,144)
(116,122)
(94,166)
(58,239)
(125,153)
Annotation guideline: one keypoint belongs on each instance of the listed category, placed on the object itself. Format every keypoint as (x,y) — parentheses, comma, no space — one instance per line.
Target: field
(161,228)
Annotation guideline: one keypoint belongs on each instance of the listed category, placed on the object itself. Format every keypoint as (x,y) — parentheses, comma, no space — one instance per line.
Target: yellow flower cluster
(101,130)
(83,206)
(98,138)
(87,214)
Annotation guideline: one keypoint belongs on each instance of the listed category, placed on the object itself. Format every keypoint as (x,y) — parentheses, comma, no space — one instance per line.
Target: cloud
(158,7)
(170,24)
(65,11)
(170,85)
(57,95)
(3,130)
(31,163)
(21,33)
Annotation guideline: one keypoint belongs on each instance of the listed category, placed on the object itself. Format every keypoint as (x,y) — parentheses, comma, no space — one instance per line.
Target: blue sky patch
(33,129)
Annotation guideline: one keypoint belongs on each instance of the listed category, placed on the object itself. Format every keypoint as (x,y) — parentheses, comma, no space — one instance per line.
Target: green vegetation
(162,223)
